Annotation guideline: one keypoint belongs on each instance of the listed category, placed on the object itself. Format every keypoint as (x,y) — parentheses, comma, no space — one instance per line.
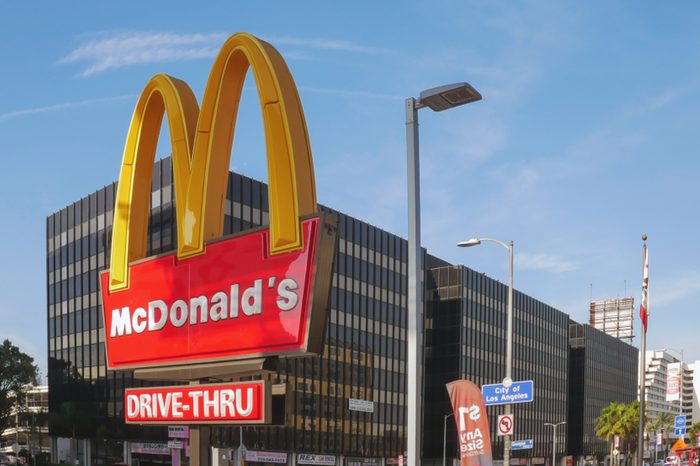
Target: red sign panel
(232,403)
(234,301)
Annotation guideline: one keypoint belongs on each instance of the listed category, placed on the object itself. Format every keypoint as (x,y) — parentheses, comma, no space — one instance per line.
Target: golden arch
(201,144)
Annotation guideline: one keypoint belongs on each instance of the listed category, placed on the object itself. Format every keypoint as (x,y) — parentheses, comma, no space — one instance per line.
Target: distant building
(614,317)
(601,370)
(655,382)
(29,430)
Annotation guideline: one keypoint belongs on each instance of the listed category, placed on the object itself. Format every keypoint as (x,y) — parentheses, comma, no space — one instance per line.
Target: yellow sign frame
(201,150)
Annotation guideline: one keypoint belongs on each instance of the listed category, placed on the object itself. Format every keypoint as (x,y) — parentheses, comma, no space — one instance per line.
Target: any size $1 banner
(472,423)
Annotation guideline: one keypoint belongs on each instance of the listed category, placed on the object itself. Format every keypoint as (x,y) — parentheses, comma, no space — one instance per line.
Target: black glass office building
(603,369)
(466,339)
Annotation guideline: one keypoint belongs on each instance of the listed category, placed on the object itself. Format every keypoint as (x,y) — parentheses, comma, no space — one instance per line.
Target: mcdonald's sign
(262,292)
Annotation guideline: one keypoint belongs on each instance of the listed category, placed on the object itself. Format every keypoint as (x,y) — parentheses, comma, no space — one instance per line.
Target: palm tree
(662,423)
(607,426)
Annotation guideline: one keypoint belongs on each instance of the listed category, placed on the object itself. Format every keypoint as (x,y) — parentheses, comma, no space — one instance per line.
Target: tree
(619,419)
(692,432)
(17,369)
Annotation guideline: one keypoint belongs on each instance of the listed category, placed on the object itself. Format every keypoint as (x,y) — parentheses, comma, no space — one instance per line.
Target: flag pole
(644,316)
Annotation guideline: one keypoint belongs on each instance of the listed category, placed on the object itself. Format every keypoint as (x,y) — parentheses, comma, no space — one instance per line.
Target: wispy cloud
(675,289)
(61,106)
(547,262)
(346,93)
(132,48)
(330,44)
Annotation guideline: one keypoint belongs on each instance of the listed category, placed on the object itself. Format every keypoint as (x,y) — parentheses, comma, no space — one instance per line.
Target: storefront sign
(266,457)
(232,403)
(150,448)
(324,460)
(178,432)
(255,294)
(538,460)
(360,405)
(177,444)
(350,461)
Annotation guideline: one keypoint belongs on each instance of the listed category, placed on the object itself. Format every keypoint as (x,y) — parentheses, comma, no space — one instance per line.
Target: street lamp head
(469,243)
(448,96)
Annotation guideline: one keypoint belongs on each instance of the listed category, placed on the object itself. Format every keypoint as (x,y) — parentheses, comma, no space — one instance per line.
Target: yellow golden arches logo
(201,148)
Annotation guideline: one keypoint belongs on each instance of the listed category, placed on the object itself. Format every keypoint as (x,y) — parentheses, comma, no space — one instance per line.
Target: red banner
(234,301)
(472,423)
(232,403)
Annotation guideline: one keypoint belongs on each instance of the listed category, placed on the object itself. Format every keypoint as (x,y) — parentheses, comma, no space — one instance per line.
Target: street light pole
(437,99)
(554,440)
(444,439)
(507,380)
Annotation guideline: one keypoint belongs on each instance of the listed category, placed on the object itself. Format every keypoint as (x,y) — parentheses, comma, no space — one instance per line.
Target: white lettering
(178,313)
(145,406)
(198,303)
(226,399)
(121,323)
(287,297)
(239,403)
(138,320)
(195,395)
(219,305)
(164,403)
(233,312)
(211,403)
(153,322)
(177,404)
(132,405)
(254,294)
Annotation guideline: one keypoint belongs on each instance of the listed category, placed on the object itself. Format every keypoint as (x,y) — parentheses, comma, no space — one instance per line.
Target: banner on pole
(472,423)
(673,381)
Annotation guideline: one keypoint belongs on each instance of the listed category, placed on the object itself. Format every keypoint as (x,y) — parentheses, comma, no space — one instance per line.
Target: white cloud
(329,44)
(127,49)
(346,93)
(61,106)
(133,48)
(668,291)
(541,261)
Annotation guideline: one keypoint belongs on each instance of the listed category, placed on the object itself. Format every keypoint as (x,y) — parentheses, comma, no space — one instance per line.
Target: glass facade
(466,339)
(363,355)
(603,369)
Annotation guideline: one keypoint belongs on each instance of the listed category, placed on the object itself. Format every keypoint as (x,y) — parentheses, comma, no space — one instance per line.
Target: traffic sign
(500,394)
(522,444)
(679,431)
(505,424)
(680,420)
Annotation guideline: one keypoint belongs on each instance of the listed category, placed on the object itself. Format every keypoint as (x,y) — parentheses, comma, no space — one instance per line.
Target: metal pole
(415,289)
(444,439)
(509,346)
(554,446)
(642,372)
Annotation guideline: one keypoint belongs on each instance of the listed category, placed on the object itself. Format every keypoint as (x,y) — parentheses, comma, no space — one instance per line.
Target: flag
(472,423)
(644,305)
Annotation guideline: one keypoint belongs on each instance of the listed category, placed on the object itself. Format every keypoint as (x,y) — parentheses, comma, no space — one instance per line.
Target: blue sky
(586,138)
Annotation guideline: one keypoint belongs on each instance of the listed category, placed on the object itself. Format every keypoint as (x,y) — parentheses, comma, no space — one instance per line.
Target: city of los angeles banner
(472,423)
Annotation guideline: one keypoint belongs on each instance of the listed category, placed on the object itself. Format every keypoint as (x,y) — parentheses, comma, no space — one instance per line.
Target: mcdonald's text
(244,402)
(234,301)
